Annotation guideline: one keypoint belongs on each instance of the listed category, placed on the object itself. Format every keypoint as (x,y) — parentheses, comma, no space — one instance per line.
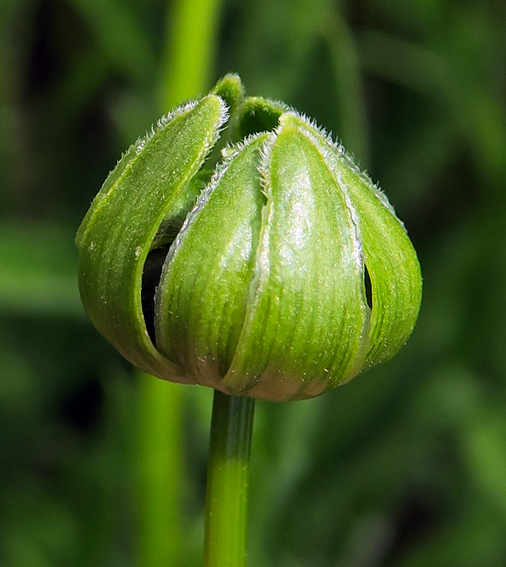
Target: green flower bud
(275,269)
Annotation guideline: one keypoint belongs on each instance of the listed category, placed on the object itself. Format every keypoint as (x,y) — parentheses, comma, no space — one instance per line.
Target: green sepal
(387,252)
(258,114)
(307,319)
(392,263)
(204,287)
(148,187)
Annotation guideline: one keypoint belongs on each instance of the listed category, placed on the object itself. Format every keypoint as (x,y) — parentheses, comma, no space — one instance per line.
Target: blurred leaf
(38,264)
(485,450)
(121,37)
(350,99)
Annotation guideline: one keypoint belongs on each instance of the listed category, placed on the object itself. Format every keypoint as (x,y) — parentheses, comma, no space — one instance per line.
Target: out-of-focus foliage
(404,466)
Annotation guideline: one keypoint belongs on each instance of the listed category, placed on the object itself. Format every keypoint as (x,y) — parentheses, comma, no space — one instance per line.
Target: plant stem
(161,469)
(228,481)
(190,50)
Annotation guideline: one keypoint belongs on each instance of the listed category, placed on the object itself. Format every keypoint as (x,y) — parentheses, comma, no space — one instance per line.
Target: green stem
(190,50)
(228,481)
(160,473)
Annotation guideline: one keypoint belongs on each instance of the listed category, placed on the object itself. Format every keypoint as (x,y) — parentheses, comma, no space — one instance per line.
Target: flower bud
(274,269)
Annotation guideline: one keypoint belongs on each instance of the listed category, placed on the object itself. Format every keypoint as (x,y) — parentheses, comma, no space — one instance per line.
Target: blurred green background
(403,467)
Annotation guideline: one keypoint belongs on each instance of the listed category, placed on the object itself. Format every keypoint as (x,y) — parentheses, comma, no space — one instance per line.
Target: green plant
(237,247)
